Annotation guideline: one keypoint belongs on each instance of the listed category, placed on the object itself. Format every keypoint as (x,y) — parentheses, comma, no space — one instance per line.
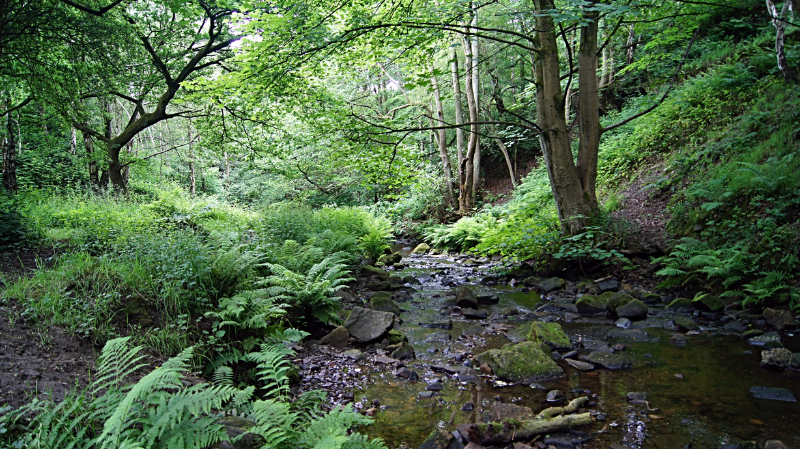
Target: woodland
(190,188)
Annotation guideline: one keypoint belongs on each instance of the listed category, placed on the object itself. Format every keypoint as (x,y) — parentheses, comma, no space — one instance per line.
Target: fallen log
(547,421)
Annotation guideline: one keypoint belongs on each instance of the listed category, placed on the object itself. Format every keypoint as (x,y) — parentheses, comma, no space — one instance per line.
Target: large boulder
(592,304)
(634,310)
(383,302)
(465,298)
(366,325)
(779,319)
(525,362)
(550,334)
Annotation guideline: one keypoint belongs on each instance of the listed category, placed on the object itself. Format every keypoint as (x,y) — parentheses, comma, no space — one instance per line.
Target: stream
(697,384)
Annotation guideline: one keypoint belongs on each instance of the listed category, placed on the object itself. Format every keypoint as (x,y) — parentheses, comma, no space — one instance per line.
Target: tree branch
(21,105)
(94,12)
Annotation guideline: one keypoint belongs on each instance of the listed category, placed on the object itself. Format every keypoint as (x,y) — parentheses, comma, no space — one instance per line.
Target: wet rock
(678,340)
(488,300)
(452,369)
(764,339)
(609,360)
(402,351)
(468,407)
(440,336)
(346,296)
(591,304)
(795,363)
(681,303)
(383,302)
(426,395)
(471,263)
(623,323)
(685,323)
(367,325)
(608,285)
(435,386)
(708,302)
(569,440)
(464,377)
(552,284)
(651,298)
(670,325)
(405,373)
(778,358)
(422,248)
(370,270)
(554,396)
(736,326)
(779,319)
(500,411)
(775,444)
(487,370)
(579,365)
(465,298)
(521,272)
(550,334)
(448,282)
(337,337)
(448,324)
(628,334)
(636,396)
(525,362)
(775,394)
(475,314)
(390,259)
(634,310)
(531,281)
(354,354)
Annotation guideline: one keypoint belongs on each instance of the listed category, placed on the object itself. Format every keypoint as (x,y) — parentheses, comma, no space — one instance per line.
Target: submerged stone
(609,360)
(465,298)
(525,362)
(685,323)
(772,393)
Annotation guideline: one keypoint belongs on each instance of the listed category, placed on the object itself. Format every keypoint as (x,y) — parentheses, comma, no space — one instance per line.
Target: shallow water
(697,394)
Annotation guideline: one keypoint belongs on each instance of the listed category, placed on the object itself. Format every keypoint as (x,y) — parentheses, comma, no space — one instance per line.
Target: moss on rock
(525,362)
(550,334)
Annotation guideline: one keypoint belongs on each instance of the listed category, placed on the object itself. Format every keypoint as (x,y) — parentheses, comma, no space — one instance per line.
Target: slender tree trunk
(476,163)
(561,169)
(192,174)
(94,178)
(448,172)
(459,115)
(73,141)
(589,104)
(631,44)
(227,171)
(466,201)
(779,22)
(9,154)
(504,150)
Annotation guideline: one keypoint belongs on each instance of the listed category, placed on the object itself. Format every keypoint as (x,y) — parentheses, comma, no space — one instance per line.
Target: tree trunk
(192,174)
(94,178)
(589,105)
(569,196)
(476,163)
(631,44)
(504,150)
(227,171)
(466,201)
(9,154)
(73,141)
(779,22)
(448,172)
(459,115)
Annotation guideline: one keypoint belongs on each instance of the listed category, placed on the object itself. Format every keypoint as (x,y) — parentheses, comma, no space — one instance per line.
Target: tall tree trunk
(9,154)
(442,133)
(631,44)
(476,163)
(459,115)
(779,22)
(466,201)
(192,174)
(504,150)
(73,141)
(94,178)
(565,183)
(589,104)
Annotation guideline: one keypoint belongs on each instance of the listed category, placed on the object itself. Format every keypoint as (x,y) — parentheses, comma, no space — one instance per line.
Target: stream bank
(684,376)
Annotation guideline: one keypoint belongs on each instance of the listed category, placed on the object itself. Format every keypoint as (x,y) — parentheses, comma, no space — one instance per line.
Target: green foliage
(594,243)
(312,293)
(14,233)
(375,241)
(160,411)
(462,235)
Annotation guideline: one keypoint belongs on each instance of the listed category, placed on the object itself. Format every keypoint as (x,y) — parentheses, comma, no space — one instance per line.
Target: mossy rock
(382,301)
(369,269)
(634,310)
(550,334)
(591,304)
(619,299)
(650,297)
(685,323)
(422,248)
(680,303)
(396,337)
(708,302)
(525,362)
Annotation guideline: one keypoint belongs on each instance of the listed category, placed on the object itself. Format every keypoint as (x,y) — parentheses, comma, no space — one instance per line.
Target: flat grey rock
(773,393)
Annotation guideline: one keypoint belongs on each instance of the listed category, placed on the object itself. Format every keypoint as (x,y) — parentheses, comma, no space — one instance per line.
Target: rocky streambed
(436,346)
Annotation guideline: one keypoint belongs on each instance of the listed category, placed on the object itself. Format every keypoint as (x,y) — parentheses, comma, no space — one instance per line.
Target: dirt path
(34,361)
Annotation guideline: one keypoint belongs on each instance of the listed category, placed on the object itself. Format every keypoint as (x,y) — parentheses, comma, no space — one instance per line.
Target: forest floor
(37,361)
